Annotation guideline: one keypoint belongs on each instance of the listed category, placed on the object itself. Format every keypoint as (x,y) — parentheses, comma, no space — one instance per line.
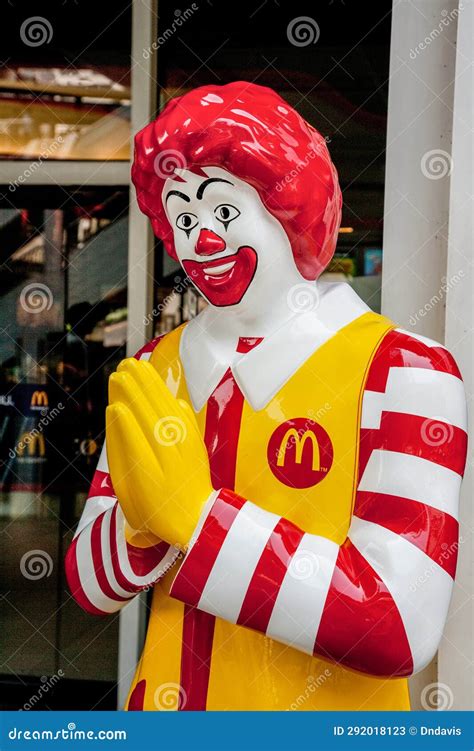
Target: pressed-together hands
(157,458)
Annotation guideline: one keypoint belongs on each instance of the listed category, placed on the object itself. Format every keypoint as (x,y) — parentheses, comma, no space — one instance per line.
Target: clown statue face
(273,467)
(230,246)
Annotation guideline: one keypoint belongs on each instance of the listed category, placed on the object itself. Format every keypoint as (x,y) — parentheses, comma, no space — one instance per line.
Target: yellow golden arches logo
(34,442)
(299,441)
(39,399)
(296,468)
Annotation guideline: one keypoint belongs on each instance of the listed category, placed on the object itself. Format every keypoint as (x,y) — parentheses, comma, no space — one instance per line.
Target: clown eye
(187,222)
(226,213)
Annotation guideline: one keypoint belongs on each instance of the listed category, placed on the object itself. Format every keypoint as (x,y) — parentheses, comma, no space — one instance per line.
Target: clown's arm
(108,562)
(378,602)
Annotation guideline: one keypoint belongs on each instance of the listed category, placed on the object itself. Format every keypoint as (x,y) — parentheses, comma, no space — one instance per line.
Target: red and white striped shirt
(378,602)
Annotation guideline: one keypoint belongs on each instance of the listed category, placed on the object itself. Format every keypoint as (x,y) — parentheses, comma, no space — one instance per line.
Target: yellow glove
(157,459)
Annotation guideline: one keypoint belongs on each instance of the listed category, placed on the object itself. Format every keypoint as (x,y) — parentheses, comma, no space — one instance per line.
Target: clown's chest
(298,456)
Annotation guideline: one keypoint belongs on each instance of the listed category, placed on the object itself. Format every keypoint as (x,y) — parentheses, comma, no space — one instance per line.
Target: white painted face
(234,251)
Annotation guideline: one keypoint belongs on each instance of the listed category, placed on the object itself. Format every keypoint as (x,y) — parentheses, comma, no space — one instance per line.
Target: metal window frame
(67,172)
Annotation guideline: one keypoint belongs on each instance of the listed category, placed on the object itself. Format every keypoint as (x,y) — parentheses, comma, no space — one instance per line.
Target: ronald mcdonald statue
(284,469)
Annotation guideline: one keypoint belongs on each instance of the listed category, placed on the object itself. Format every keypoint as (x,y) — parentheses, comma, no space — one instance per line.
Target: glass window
(63,308)
(64,87)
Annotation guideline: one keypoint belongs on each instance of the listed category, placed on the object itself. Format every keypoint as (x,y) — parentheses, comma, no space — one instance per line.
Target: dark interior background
(74,239)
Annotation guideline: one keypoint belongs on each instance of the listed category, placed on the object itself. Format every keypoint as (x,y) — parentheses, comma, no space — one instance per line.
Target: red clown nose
(209,243)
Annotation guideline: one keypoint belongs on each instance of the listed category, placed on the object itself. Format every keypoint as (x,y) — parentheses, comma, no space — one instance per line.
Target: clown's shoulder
(401,348)
(145,352)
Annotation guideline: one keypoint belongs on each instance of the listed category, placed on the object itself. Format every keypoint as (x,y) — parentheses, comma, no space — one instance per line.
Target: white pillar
(455,653)
(144,88)
(417,182)
(422,64)
(140,290)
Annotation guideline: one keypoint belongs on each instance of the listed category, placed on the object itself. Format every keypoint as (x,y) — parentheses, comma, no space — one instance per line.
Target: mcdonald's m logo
(32,443)
(39,400)
(300,453)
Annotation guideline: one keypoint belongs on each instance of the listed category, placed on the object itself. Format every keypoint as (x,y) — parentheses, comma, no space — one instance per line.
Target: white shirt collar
(262,372)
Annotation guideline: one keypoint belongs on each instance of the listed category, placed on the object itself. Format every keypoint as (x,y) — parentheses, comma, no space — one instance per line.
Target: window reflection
(65,81)
(63,308)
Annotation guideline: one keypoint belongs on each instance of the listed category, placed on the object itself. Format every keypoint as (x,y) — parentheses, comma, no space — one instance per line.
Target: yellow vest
(249,671)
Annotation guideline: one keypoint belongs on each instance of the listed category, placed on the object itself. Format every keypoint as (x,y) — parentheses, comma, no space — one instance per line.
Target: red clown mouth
(224,281)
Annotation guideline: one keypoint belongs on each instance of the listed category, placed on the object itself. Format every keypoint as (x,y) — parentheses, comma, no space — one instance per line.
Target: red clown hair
(253,133)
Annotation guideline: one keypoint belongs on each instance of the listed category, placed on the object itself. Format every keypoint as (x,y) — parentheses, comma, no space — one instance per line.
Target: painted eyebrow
(207,182)
(179,194)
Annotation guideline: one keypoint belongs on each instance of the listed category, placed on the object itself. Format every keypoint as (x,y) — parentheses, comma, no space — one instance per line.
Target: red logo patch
(300,453)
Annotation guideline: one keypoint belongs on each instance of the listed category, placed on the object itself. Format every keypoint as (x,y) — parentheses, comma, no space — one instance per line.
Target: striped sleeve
(378,602)
(104,569)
